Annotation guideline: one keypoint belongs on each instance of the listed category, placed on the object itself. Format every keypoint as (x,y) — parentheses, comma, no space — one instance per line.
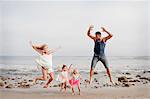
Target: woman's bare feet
(46,86)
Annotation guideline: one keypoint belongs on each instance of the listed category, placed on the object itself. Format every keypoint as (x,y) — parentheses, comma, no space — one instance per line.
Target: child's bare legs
(61,86)
(72,88)
(44,75)
(65,86)
(50,80)
(79,88)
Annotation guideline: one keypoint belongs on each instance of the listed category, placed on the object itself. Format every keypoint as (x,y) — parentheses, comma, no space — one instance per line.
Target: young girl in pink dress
(75,81)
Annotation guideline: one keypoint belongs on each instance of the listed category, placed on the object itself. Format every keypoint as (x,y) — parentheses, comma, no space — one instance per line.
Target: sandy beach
(87,93)
(127,86)
(131,81)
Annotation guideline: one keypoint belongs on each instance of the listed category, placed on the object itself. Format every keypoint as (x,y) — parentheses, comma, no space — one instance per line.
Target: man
(99,49)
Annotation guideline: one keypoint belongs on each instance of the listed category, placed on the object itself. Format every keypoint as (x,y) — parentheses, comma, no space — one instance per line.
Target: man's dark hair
(98,33)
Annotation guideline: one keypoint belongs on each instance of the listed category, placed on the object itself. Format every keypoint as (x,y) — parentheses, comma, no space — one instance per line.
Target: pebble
(122,79)
(145,78)
(125,85)
(24,86)
(30,80)
(134,80)
(4,78)
(95,73)
(138,76)
(95,80)
(146,72)
(95,87)
(55,85)
(1,84)
(9,86)
(128,73)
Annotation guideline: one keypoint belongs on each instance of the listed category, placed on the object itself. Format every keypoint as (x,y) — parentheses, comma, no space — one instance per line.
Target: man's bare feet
(112,83)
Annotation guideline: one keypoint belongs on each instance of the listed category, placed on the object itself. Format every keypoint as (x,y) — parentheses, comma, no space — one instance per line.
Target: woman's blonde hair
(42,47)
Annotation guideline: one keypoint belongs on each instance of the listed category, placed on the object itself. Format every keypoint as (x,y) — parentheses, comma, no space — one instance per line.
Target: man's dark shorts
(97,58)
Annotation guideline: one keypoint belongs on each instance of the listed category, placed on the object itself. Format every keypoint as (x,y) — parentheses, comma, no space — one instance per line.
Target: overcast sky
(64,23)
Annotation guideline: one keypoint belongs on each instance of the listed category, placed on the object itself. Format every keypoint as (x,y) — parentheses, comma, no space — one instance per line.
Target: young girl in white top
(63,77)
(45,62)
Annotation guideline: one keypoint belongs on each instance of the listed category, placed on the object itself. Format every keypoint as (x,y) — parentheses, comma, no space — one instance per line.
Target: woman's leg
(50,80)
(44,75)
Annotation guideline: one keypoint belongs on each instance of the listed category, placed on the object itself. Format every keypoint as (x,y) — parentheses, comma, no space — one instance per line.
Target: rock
(55,85)
(9,86)
(106,85)
(24,86)
(25,82)
(116,84)
(13,79)
(19,83)
(95,87)
(95,73)
(146,72)
(19,78)
(30,80)
(41,83)
(133,84)
(3,78)
(137,76)
(1,84)
(86,81)
(5,82)
(122,79)
(145,78)
(125,85)
(129,78)
(128,73)
(95,80)
(134,80)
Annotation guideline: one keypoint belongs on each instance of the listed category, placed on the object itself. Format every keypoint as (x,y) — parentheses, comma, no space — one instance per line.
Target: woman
(44,61)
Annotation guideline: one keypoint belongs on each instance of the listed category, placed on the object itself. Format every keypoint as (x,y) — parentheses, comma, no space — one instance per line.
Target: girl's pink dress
(75,81)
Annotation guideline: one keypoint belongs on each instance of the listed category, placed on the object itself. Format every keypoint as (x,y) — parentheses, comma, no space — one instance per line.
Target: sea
(26,65)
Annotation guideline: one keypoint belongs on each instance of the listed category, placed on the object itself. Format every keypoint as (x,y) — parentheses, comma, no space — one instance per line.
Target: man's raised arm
(89,32)
(109,34)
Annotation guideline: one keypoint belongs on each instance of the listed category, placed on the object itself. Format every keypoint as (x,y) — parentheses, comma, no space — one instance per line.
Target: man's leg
(105,63)
(109,75)
(93,64)
(91,74)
